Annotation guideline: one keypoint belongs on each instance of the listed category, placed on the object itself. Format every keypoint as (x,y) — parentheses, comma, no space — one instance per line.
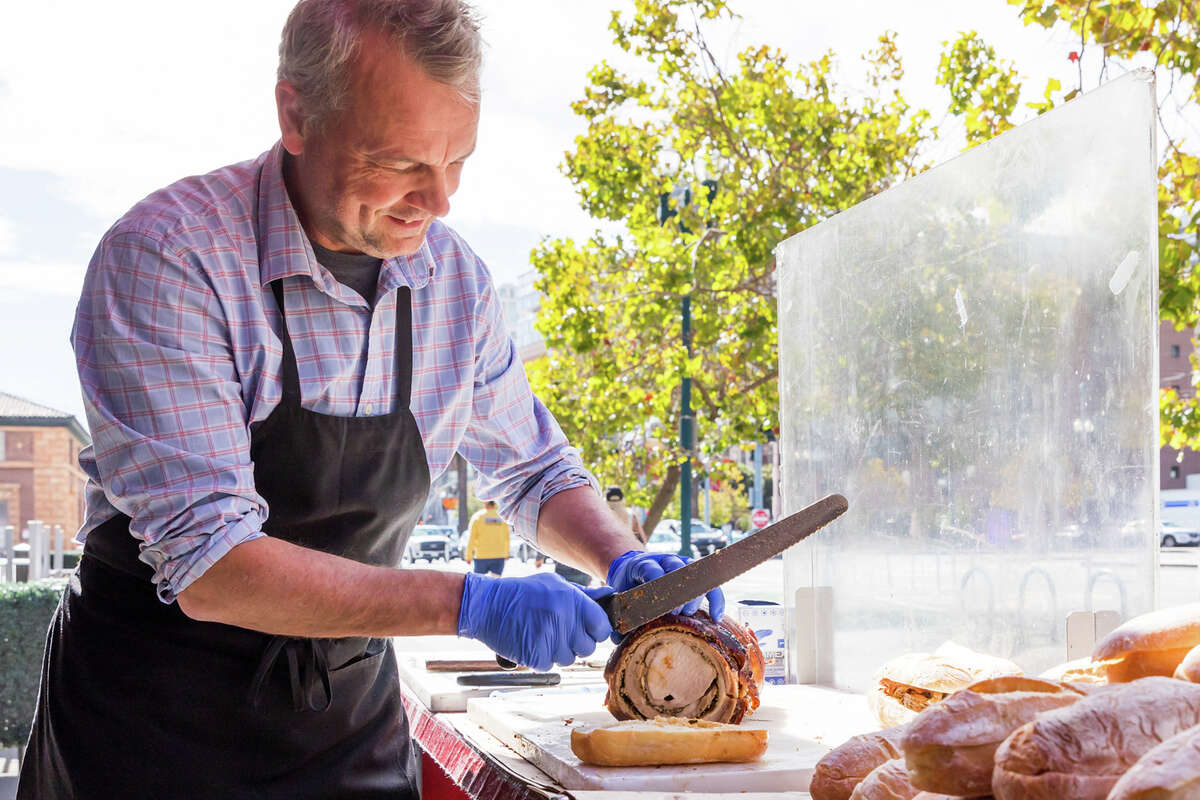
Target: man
(487,544)
(275,358)
(624,515)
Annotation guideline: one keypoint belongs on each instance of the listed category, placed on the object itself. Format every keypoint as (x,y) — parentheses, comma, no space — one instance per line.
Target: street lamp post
(687,420)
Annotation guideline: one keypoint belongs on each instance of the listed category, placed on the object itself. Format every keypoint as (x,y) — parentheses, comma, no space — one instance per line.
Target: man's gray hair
(321,38)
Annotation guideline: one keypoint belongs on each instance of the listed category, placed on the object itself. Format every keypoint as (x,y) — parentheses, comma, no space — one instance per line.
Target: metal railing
(37,553)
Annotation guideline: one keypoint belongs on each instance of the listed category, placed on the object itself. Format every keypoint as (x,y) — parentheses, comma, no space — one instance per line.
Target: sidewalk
(8,773)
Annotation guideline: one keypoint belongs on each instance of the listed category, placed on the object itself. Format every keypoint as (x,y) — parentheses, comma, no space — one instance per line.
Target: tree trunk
(662,499)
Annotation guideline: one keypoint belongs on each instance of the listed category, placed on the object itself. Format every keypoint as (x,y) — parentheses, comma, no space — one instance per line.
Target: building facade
(1175,372)
(40,478)
(519,303)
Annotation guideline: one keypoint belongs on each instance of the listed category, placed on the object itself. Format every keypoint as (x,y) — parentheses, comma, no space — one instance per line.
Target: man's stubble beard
(361,240)
(371,241)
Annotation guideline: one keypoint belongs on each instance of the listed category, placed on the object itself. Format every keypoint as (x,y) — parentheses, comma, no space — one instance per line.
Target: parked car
(663,540)
(428,542)
(458,542)
(1173,534)
(705,539)
(520,549)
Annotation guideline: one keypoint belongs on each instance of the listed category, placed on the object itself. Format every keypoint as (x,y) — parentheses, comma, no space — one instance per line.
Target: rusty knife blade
(635,607)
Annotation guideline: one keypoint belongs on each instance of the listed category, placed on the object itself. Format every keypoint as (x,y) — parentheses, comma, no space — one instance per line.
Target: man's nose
(433,195)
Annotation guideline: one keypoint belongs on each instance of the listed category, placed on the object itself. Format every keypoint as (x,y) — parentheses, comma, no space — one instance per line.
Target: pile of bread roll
(1122,725)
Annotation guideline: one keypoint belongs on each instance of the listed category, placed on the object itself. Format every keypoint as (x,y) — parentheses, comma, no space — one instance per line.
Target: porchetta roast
(677,666)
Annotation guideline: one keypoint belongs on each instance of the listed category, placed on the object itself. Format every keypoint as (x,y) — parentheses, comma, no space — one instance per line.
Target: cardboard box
(766,619)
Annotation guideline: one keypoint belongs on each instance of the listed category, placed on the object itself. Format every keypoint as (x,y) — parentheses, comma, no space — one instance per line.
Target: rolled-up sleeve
(165,407)
(513,440)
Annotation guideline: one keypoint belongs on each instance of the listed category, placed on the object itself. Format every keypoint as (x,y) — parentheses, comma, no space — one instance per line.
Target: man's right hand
(538,621)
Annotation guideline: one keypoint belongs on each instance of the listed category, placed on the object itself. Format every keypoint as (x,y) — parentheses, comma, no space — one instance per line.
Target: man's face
(375,177)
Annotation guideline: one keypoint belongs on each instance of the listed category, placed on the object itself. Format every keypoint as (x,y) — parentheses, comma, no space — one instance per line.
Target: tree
(1165,35)
(786,147)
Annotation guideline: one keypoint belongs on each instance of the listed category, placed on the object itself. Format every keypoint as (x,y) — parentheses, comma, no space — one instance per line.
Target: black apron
(137,700)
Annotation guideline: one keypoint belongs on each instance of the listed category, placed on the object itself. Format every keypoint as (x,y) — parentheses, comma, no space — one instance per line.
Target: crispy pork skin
(677,666)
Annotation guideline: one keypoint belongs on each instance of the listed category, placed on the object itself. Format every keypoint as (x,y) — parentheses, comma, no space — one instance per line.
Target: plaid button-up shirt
(178,354)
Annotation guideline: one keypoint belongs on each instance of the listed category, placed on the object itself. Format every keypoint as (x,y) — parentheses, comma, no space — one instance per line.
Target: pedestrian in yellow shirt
(487,544)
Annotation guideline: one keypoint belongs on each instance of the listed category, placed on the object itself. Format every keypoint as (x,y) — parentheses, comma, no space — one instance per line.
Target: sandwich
(907,685)
(667,740)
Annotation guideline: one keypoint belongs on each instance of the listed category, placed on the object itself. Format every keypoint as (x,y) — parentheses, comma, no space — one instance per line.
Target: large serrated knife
(635,607)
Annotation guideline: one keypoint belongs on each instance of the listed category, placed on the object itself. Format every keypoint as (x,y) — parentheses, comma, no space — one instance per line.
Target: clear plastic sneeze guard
(971,359)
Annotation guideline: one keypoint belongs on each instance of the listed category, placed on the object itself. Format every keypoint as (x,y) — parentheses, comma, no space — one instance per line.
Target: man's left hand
(636,567)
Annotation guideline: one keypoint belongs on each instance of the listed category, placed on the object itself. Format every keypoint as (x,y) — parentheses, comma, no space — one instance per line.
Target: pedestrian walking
(625,515)
(488,541)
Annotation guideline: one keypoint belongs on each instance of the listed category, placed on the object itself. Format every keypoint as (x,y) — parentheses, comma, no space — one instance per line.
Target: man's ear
(291,117)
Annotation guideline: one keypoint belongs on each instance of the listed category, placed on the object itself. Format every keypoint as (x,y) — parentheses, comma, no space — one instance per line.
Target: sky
(102,103)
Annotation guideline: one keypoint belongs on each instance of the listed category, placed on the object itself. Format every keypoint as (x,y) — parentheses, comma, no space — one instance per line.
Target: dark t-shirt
(357,270)
(571,574)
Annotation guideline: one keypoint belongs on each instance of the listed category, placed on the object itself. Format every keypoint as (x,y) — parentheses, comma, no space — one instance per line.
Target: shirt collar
(286,250)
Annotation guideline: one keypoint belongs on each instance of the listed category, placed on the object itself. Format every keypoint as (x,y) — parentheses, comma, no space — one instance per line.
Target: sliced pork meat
(677,666)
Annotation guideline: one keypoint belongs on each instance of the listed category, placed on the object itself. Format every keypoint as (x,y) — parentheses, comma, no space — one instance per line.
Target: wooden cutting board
(802,722)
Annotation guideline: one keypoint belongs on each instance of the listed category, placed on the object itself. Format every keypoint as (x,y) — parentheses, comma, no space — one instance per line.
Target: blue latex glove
(538,621)
(634,567)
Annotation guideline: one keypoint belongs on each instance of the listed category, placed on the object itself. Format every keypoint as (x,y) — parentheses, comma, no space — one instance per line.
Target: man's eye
(398,167)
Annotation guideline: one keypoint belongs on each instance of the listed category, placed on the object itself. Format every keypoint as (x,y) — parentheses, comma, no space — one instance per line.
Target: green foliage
(984,91)
(787,148)
(1167,34)
(731,500)
(25,613)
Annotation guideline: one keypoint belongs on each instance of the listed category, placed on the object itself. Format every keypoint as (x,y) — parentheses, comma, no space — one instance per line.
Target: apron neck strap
(402,347)
(291,376)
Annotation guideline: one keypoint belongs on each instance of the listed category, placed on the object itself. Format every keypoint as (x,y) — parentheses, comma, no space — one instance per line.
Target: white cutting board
(803,723)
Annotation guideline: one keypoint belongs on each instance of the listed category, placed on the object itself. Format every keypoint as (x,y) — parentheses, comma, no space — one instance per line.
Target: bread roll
(1170,771)
(1080,751)
(934,796)
(667,740)
(908,684)
(950,747)
(1152,644)
(1080,670)
(1189,668)
(845,766)
(888,781)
